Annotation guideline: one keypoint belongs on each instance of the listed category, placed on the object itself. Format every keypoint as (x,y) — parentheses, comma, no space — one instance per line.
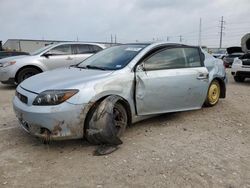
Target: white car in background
(241,68)
(14,70)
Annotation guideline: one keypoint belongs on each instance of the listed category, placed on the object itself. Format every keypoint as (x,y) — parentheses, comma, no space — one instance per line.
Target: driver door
(59,56)
(172,79)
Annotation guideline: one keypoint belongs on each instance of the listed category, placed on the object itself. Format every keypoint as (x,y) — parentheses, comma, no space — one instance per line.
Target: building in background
(27,45)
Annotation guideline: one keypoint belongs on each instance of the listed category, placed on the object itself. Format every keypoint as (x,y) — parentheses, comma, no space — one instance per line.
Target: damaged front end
(59,122)
(104,121)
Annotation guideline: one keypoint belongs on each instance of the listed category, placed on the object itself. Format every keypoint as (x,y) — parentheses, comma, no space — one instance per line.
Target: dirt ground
(204,148)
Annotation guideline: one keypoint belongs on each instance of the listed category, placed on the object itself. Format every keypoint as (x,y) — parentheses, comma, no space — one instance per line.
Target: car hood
(234,49)
(13,58)
(64,78)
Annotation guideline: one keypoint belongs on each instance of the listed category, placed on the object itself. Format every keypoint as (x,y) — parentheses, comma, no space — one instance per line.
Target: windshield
(113,58)
(40,50)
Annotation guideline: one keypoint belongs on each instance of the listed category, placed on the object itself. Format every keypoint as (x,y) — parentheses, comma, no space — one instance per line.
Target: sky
(129,21)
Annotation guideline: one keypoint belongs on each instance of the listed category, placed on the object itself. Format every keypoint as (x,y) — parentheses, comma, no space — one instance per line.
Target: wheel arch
(222,87)
(92,105)
(27,66)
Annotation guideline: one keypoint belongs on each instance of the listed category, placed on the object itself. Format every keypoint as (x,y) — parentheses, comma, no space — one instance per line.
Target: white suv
(241,68)
(14,70)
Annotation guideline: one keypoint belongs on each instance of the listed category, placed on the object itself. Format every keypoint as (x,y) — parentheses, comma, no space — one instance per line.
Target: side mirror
(49,53)
(140,67)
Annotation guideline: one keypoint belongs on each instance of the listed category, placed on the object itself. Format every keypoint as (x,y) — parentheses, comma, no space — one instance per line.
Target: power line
(238,23)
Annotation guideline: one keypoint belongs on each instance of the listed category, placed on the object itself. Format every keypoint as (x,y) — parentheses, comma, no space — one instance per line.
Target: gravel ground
(204,148)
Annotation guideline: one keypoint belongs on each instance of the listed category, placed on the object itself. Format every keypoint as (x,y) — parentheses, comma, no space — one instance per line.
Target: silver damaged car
(119,86)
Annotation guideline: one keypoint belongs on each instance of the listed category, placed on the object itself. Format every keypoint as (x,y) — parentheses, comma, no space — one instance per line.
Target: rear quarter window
(192,56)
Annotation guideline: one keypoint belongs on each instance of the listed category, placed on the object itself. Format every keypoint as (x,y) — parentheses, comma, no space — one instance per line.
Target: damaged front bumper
(60,122)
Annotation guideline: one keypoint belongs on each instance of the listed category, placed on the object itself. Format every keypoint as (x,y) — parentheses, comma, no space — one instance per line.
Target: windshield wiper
(95,67)
(76,66)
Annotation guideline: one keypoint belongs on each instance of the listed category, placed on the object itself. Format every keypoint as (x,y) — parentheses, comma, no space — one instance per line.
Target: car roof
(87,43)
(160,44)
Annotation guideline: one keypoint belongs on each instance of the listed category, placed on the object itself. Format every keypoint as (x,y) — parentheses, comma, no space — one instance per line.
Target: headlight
(53,97)
(8,63)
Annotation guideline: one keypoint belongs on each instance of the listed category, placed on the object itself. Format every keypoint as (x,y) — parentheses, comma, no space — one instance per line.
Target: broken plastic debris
(104,150)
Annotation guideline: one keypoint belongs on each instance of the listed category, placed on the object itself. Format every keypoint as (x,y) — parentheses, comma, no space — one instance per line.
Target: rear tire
(213,94)
(239,79)
(26,73)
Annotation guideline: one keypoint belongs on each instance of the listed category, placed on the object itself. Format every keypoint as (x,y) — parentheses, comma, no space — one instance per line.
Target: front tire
(26,73)
(239,79)
(213,94)
(108,120)
(121,119)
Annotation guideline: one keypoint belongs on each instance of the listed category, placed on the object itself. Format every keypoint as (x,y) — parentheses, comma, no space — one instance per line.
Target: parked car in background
(118,86)
(4,54)
(232,52)
(219,53)
(18,68)
(241,65)
(241,68)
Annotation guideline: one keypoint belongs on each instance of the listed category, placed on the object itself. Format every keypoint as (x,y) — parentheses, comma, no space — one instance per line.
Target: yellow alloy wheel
(213,93)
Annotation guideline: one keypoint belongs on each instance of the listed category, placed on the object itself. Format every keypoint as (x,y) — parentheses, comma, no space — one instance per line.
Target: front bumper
(4,74)
(241,70)
(245,74)
(60,122)
(10,81)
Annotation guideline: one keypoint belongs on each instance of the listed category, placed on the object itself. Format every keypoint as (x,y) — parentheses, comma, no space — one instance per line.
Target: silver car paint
(42,62)
(174,89)
(95,84)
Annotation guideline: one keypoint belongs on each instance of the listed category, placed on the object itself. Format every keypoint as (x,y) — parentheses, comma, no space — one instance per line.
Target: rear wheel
(239,79)
(213,93)
(26,73)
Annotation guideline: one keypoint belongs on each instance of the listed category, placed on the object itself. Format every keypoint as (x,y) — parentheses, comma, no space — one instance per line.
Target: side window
(166,59)
(192,57)
(83,49)
(96,48)
(61,50)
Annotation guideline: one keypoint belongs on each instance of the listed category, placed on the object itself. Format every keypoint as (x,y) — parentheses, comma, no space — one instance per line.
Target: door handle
(69,58)
(203,76)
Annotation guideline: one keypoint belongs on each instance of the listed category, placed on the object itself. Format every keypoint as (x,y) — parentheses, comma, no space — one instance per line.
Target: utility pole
(222,22)
(181,38)
(111,39)
(199,41)
(115,39)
